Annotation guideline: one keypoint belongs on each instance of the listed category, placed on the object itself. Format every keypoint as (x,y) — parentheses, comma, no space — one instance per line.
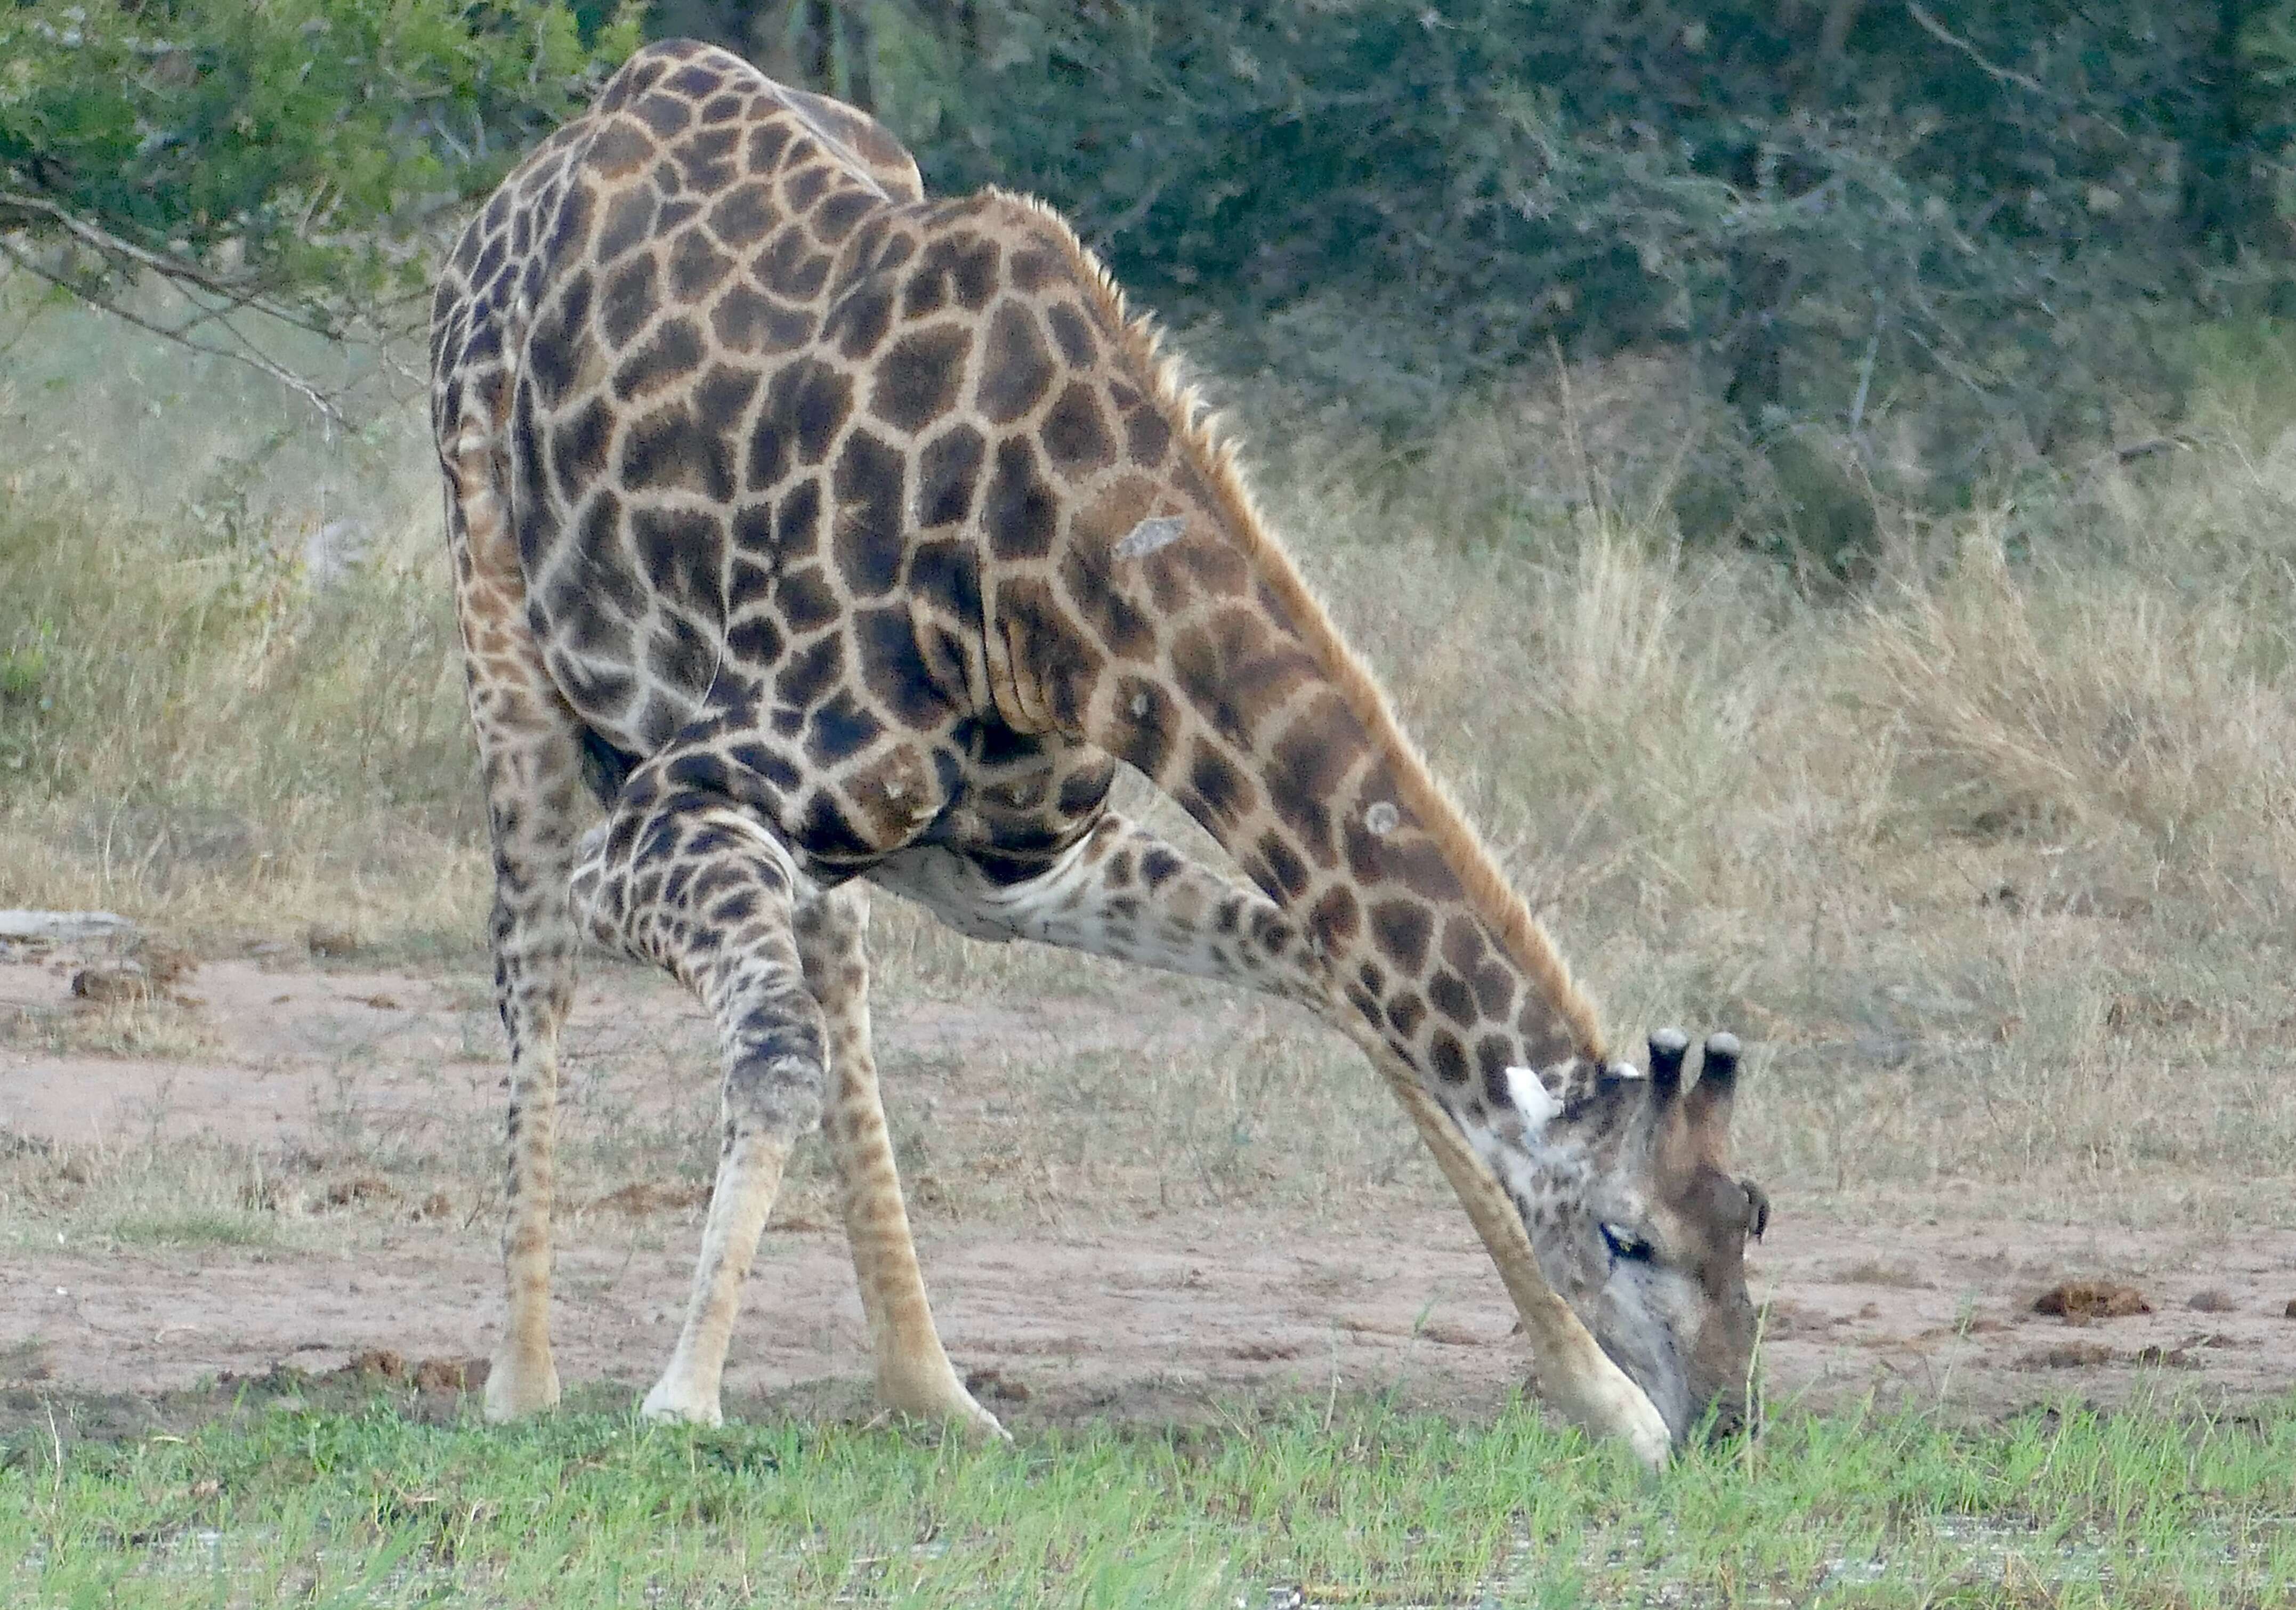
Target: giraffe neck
(1325,805)
(1167,628)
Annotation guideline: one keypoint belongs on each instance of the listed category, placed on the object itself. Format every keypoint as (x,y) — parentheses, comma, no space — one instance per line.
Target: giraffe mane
(1200,428)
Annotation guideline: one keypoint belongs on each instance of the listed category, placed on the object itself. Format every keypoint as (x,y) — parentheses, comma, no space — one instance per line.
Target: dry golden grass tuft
(226,701)
(1994,861)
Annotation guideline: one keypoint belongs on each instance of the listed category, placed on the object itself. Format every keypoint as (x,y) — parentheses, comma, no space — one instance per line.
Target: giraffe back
(722,354)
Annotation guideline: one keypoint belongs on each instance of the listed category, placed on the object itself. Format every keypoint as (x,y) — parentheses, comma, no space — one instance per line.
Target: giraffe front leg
(1122,892)
(699,887)
(913,1374)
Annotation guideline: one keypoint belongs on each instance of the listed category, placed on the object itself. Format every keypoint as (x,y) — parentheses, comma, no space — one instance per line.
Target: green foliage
(1975,228)
(24,671)
(287,155)
(1981,217)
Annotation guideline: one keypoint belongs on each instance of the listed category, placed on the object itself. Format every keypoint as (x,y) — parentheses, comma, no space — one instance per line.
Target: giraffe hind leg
(695,885)
(913,1374)
(530,748)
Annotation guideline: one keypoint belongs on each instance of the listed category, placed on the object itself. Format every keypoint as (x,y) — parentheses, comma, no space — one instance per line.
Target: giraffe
(835,536)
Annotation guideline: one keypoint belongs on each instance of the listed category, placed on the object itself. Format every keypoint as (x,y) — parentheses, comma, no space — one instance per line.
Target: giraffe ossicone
(829,535)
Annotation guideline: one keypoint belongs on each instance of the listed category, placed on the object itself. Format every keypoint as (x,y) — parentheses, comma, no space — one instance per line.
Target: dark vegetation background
(1905,250)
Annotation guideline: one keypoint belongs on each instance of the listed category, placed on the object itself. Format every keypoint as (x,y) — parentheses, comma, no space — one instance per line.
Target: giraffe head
(1624,1185)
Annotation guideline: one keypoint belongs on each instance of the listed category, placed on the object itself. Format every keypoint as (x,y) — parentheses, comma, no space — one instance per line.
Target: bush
(1982,227)
(288,157)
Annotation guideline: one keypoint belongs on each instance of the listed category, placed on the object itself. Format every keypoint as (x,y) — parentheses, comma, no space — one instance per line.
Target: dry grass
(191,728)
(1995,862)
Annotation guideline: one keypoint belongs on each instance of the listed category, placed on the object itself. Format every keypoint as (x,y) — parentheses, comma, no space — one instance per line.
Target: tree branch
(1938,30)
(246,352)
(179,270)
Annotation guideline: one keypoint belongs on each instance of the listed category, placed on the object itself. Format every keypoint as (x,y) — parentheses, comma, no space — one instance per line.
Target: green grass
(286,1503)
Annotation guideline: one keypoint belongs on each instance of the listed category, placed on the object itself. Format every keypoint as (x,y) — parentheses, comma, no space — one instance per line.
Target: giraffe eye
(1626,1245)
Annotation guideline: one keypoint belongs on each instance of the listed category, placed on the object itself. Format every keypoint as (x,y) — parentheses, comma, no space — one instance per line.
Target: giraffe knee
(777,1077)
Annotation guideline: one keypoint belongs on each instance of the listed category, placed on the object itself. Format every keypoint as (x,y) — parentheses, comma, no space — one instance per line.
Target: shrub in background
(288,159)
(1899,245)
(1987,224)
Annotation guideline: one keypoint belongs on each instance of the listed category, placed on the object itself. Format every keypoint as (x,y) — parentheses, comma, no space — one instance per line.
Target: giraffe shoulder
(857,140)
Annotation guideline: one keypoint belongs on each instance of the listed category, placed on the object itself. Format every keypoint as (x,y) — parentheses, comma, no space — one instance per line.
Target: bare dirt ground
(298,1169)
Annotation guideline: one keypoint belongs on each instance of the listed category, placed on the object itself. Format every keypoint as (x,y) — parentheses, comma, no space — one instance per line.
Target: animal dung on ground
(327,940)
(428,1375)
(450,1374)
(164,964)
(2213,1301)
(2079,1301)
(644,1196)
(1263,1351)
(2289,1311)
(359,1188)
(148,972)
(383,1361)
(993,1383)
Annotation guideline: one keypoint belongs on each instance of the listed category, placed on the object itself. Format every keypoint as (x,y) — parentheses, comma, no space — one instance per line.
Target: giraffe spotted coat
(830,535)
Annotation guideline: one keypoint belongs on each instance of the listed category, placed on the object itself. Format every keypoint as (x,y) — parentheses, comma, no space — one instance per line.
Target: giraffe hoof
(515,1389)
(945,1398)
(965,1416)
(977,1422)
(674,1402)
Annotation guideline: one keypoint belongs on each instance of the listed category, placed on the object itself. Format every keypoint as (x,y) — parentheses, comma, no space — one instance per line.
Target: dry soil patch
(1063,1311)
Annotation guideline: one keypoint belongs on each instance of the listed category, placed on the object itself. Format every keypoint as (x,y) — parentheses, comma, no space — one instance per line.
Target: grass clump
(1345,1503)
(227,694)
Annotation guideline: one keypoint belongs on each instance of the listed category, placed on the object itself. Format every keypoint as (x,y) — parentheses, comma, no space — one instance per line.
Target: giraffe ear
(1532,1099)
